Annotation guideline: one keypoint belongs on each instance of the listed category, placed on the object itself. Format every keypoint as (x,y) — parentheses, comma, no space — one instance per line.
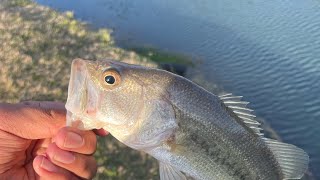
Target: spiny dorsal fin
(292,160)
(239,108)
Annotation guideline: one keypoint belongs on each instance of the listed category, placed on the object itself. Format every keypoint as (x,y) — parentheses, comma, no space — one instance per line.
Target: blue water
(267,51)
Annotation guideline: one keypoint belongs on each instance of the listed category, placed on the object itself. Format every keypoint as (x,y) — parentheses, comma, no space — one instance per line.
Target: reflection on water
(267,51)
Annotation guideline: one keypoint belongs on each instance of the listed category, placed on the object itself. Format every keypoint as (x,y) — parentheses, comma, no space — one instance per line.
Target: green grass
(160,56)
(116,161)
(19,2)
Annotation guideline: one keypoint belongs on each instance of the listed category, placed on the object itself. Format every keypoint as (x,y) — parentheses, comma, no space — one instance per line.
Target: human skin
(34,144)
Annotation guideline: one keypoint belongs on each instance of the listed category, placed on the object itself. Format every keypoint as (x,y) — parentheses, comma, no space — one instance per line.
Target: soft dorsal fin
(239,108)
(292,160)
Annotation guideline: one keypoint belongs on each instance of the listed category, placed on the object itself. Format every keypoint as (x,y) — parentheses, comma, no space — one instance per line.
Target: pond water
(266,51)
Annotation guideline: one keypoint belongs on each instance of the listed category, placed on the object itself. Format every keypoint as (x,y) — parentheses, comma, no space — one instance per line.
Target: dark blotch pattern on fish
(211,149)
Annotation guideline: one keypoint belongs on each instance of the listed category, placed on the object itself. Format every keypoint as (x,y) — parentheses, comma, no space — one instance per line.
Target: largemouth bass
(193,133)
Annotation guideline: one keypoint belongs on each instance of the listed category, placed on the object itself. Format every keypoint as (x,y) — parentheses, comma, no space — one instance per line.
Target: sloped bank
(37,46)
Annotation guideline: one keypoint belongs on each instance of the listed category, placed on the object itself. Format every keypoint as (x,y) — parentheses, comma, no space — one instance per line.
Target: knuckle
(61,136)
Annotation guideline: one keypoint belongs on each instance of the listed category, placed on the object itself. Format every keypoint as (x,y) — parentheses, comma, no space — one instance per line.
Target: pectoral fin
(167,172)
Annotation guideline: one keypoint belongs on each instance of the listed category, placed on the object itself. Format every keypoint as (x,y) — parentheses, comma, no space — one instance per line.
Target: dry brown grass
(37,46)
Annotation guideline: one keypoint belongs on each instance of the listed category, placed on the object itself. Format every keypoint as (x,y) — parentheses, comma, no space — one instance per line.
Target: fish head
(129,101)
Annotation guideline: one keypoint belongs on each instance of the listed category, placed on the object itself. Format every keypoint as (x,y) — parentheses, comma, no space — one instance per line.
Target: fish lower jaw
(81,122)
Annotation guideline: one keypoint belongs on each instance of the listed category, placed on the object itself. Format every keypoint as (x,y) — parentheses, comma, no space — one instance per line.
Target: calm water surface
(267,51)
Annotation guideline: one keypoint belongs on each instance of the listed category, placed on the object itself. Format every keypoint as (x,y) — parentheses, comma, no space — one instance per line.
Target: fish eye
(110,78)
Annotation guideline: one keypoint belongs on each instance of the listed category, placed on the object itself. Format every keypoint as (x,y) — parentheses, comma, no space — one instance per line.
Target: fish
(193,133)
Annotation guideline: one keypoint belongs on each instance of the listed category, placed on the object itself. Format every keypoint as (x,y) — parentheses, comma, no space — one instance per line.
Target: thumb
(32,120)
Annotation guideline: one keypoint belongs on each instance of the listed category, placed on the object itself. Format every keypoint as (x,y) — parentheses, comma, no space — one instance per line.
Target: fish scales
(193,133)
(214,154)
(215,132)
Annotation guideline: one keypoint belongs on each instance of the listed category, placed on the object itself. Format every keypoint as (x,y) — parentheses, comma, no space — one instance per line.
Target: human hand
(33,144)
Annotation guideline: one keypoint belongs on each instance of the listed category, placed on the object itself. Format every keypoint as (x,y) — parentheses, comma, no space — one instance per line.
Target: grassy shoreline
(161,56)
(37,45)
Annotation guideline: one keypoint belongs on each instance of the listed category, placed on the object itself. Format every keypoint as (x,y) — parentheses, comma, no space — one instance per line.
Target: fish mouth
(80,109)
(82,122)
(76,122)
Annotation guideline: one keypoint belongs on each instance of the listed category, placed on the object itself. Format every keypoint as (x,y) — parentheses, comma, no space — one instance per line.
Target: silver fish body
(193,133)
(211,141)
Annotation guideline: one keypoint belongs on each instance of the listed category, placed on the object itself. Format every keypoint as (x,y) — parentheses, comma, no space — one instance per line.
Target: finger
(82,165)
(100,132)
(47,170)
(40,146)
(32,120)
(71,139)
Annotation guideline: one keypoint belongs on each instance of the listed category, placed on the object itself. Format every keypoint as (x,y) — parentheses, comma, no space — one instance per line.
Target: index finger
(32,120)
